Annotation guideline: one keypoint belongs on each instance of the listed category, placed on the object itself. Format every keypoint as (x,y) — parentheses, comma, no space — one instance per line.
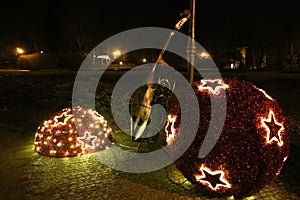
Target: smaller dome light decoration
(61,136)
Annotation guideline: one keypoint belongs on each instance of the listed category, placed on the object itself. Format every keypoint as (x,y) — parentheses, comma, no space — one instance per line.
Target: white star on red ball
(273,129)
(87,140)
(212,85)
(213,179)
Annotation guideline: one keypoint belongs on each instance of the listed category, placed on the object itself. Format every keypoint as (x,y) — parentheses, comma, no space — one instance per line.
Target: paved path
(27,175)
(14,70)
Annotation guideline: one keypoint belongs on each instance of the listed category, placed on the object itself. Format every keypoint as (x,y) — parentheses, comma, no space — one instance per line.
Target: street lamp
(116,53)
(20,51)
(203,55)
(191,47)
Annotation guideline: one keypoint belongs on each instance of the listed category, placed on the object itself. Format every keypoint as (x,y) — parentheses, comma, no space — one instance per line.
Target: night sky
(52,23)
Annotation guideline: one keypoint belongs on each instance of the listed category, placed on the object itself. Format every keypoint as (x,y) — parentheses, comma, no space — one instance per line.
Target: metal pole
(191,43)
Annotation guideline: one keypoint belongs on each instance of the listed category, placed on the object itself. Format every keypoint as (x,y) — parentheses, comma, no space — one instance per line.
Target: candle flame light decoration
(58,136)
(252,147)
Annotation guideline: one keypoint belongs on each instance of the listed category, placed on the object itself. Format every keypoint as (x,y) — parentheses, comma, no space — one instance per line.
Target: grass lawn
(26,99)
(284,87)
(45,92)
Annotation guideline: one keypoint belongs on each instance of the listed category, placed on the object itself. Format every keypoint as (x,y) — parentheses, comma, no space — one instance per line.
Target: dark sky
(217,21)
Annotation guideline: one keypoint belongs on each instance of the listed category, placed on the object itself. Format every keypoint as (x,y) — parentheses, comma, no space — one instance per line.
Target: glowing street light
(203,55)
(20,51)
(116,53)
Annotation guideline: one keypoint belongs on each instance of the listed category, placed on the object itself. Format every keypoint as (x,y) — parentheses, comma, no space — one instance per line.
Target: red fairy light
(214,179)
(170,128)
(58,136)
(212,85)
(273,129)
(264,92)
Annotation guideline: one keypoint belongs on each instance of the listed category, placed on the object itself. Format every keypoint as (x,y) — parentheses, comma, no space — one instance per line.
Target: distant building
(103,59)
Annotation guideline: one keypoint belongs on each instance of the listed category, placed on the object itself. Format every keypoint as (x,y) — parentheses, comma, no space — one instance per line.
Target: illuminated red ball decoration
(251,149)
(59,137)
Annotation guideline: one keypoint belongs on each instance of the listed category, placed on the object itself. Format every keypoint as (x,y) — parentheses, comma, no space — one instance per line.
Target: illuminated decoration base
(60,137)
(251,149)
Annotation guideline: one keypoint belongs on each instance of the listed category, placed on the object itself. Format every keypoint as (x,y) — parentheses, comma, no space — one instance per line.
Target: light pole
(116,54)
(19,52)
(191,48)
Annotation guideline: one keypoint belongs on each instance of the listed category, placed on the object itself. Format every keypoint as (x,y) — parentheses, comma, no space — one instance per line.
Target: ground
(25,174)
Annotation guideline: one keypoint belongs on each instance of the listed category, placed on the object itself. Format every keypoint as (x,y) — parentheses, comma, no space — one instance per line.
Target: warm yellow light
(121,63)
(116,53)
(19,50)
(62,119)
(203,55)
(144,60)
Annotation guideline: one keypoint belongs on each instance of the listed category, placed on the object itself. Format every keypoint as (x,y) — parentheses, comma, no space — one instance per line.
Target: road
(14,70)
